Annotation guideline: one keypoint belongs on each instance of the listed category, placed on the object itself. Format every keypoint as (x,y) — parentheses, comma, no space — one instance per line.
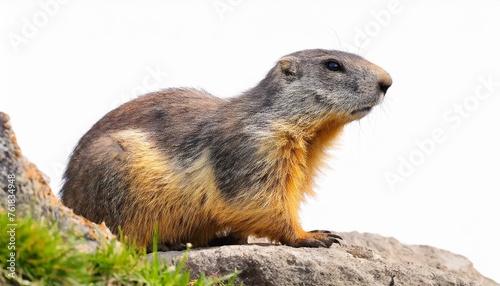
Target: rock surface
(33,195)
(364,259)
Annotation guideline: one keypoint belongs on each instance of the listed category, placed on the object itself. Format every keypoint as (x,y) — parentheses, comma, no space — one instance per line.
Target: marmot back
(211,171)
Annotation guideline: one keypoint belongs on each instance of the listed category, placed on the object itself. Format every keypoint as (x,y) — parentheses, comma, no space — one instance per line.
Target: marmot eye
(333,66)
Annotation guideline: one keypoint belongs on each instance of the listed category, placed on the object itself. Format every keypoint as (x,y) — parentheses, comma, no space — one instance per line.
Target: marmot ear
(289,66)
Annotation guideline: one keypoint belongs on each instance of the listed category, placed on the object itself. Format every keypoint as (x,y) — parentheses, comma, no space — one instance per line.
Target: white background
(64,65)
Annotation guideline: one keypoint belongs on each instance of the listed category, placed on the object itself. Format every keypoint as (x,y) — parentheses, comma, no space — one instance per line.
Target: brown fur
(204,168)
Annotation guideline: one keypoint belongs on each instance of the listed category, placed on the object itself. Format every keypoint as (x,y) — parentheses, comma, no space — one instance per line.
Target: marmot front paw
(316,239)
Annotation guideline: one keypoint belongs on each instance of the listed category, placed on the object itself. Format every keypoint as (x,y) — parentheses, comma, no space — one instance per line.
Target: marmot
(213,171)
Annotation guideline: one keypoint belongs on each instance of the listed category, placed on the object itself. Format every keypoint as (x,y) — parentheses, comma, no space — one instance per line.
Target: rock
(34,196)
(392,250)
(363,259)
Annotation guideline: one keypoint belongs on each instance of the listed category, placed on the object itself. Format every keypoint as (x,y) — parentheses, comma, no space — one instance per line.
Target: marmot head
(322,84)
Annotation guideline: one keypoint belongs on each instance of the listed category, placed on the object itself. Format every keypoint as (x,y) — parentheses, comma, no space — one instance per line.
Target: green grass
(45,257)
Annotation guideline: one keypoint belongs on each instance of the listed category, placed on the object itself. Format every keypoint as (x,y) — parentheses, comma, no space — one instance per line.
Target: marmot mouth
(362,110)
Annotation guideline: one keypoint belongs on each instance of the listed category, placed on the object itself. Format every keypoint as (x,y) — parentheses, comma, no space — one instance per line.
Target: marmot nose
(384,81)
